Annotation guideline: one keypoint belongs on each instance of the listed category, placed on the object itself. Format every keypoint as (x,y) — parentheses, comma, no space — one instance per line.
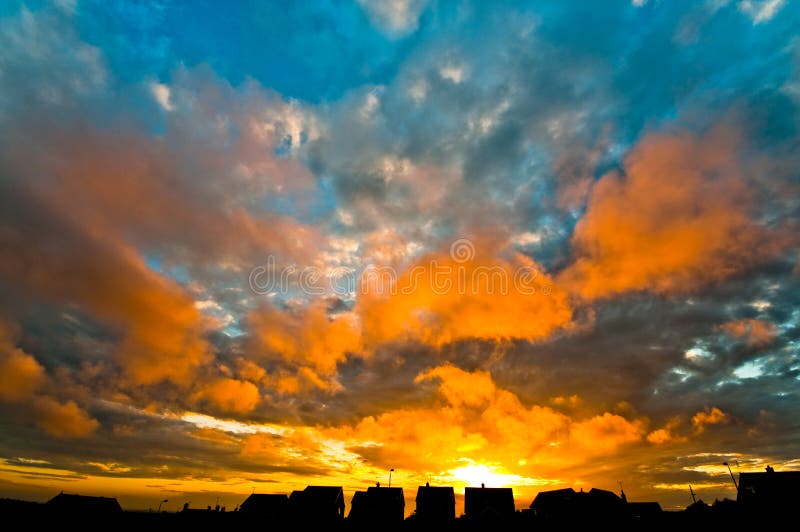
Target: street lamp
(732,477)
(390,477)
(159,505)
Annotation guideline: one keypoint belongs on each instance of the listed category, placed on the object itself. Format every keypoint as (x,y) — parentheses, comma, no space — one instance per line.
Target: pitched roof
(378,504)
(323,495)
(435,495)
(265,503)
(481,501)
(68,502)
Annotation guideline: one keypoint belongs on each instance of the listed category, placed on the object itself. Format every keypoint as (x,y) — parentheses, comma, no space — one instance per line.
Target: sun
(491,476)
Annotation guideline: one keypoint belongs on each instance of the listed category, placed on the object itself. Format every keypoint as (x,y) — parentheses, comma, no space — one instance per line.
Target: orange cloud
(475,421)
(757,333)
(231,395)
(604,433)
(442,298)
(667,433)
(710,416)
(86,207)
(63,420)
(680,216)
(306,336)
(461,388)
(161,335)
(20,373)
(438,299)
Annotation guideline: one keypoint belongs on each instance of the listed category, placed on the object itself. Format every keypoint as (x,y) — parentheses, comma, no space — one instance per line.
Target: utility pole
(735,485)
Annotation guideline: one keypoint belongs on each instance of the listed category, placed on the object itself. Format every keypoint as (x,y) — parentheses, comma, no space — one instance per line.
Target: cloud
(442,298)
(305,336)
(478,421)
(231,395)
(161,94)
(755,332)
(681,215)
(761,11)
(63,420)
(20,374)
(396,17)
(160,331)
(709,416)
(667,434)
(605,433)
(461,388)
(75,69)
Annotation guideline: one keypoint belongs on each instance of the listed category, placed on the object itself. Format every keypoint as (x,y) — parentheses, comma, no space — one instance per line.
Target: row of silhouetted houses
(767,493)
(434,504)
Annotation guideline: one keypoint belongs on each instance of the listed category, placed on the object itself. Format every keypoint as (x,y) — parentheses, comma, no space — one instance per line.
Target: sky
(256,246)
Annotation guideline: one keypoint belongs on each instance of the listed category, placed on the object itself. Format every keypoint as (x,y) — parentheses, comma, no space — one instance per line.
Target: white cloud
(453,73)
(527,238)
(418,91)
(397,17)
(761,11)
(161,93)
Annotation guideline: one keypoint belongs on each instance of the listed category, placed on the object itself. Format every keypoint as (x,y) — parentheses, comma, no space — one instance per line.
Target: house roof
(394,495)
(553,496)
(436,495)
(377,504)
(479,501)
(265,503)
(317,497)
(82,503)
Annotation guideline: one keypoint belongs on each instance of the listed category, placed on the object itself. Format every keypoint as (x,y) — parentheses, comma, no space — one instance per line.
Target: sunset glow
(258,246)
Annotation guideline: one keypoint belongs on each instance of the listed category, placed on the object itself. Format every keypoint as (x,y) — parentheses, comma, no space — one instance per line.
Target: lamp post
(732,477)
(390,477)
(159,505)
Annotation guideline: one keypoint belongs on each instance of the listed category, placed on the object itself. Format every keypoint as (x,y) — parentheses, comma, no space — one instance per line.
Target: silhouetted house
(488,503)
(266,506)
(643,510)
(772,491)
(18,507)
(318,504)
(435,504)
(378,506)
(65,503)
(569,505)
(357,505)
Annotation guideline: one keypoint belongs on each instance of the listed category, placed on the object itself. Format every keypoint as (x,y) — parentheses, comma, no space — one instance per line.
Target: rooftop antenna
(735,485)
(694,499)
(390,476)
